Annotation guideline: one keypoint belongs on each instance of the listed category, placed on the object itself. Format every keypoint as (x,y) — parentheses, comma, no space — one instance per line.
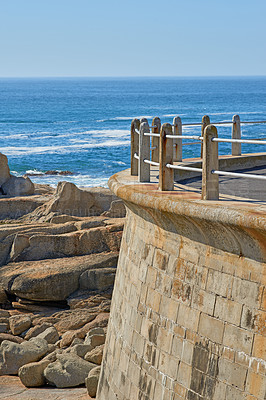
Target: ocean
(82,125)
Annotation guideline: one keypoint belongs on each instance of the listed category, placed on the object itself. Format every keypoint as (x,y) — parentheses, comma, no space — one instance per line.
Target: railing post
(205,122)
(135,124)
(177,125)
(166,175)
(155,141)
(210,182)
(236,134)
(144,152)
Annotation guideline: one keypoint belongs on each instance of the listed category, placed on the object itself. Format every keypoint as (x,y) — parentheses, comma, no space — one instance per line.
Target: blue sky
(132,38)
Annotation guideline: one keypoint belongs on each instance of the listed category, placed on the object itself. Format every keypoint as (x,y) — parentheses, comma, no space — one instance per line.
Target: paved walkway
(12,389)
(240,187)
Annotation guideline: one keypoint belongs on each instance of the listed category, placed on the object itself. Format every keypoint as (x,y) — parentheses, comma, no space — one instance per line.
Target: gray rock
(91,381)
(36,330)
(117,210)
(95,331)
(18,186)
(95,355)
(94,341)
(14,355)
(50,335)
(19,324)
(10,338)
(3,327)
(68,370)
(97,279)
(31,375)
(4,169)
(79,349)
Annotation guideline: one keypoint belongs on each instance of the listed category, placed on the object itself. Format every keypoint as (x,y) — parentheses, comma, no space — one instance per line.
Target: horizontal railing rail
(161,146)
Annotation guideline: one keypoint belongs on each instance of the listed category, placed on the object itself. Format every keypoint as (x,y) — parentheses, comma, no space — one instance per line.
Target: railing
(165,148)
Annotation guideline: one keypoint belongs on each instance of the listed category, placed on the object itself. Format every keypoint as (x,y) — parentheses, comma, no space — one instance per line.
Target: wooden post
(205,122)
(210,182)
(166,175)
(236,134)
(177,142)
(135,124)
(155,141)
(144,152)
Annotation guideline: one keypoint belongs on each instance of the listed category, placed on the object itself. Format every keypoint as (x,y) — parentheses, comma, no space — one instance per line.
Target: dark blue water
(82,125)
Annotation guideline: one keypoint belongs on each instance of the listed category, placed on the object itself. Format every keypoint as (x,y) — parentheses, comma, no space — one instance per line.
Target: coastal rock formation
(14,355)
(4,169)
(18,186)
(58,257)
(91,381)
(68,370)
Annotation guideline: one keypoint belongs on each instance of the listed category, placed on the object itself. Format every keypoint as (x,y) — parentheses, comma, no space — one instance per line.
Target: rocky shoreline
(58,257)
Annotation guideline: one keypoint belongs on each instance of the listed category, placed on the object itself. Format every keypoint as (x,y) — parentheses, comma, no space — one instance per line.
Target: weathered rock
(4,169)
(97,279)
(94,341)
(3,296)
(20,243)
(50,335)
(3,327)
(95,355)
(68,370)
(4,314)
(79,349)
(91,381)
(18,186)
(10,338)
(14,355)
(36,330)
(117,210)
(31,375)
(77,341)
(73,319)
(19,324)
(95,331)
(37,280)
(100,321)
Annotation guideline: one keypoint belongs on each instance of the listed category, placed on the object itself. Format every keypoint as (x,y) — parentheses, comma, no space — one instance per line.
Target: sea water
(82,125)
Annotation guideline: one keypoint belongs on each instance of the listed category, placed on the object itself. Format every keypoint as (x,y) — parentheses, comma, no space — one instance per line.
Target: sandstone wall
(188,317)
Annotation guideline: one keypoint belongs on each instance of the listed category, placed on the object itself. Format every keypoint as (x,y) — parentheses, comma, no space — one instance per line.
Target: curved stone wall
(189,305)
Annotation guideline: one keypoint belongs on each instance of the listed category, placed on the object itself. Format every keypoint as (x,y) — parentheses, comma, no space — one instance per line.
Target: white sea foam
(34,171)
(79,180)
(60,149)
(124,118)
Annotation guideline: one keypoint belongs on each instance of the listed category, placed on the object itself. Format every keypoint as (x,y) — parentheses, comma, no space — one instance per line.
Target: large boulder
(18,186)
(70,200)
(51,280)
(4,169)
(68,370)
(14,355)
(91,381)
(95,355)
(97,279)
(50,335)
(31,375)
(19,324)
(37,329)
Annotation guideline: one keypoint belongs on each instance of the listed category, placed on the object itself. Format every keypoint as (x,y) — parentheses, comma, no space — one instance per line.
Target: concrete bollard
(135,124)
(166,175)
(155,141)
(204,122)
(144,152)
(236,134)
(177,125)
(210,182)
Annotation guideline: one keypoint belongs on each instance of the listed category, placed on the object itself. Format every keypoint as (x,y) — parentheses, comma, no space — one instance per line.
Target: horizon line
(128,76)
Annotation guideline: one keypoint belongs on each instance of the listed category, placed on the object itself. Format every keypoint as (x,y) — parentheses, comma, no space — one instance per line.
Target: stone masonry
(187,318)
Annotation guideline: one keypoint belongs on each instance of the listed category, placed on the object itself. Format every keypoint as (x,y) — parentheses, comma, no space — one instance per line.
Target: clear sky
(132,38)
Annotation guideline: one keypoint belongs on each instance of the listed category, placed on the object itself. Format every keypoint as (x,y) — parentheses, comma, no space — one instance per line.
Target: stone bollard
(236,134)
(210,182)
(135,124)
(144,152)
(166,175)
(155,141)
(205,122)
(177,125)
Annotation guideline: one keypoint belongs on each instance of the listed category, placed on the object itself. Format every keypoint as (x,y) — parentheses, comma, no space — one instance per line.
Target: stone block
(160,260)
(219,283)
(184,374)
(232,373)
(169,308)
(182,291)
(254,320)
(256,384)
(153,299)
(203,301)
(19,324)
(188,317)
(228,310)
(237,338)
(246,292)
(211,327)
(259,347)
(196,275)
(233,393)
